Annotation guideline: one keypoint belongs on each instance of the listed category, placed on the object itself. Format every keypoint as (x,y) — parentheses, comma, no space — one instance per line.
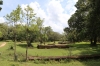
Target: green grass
(82,48)
(53,63)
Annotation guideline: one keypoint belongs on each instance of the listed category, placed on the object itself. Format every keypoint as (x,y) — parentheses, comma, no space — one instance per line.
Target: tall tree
(31,26)
(14,17)
(85,21)
(93,21)
(48,31)
(40,29)
(29,18)
(77,22)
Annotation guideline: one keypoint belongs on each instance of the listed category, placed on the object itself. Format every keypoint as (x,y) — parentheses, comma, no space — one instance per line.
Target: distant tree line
(23,24)
(45,35)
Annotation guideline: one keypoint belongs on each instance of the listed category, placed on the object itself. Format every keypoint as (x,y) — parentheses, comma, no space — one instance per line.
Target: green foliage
(3,31)
(93,21)
(84,24)
(1,35)
(13,18)
(77,21)
(31,27)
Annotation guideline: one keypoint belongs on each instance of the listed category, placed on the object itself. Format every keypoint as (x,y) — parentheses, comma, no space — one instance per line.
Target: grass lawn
(6,55)
(82,48)
(52,63)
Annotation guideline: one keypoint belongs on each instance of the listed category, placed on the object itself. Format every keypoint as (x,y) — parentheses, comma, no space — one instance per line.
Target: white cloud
(70,7)
(54,7)
(37,9)
(75,1)
(56,18)
(55,15)
(59,0)
(2,20)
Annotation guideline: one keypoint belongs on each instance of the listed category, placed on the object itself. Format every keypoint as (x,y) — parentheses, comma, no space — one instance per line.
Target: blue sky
(55,12)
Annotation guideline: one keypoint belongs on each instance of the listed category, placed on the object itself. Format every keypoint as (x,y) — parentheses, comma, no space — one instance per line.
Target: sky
(54,12)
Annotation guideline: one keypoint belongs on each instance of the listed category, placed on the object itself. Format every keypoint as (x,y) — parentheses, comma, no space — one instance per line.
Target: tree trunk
(29,44)
(95,41)
(15,55)
(44,42)
(41,41)
(91,40)
(54,41)
(27,52)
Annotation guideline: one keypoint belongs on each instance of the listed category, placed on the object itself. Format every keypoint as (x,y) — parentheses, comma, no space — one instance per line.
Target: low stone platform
(57,58)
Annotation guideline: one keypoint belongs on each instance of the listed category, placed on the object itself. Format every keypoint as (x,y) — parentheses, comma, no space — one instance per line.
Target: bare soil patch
(3,44)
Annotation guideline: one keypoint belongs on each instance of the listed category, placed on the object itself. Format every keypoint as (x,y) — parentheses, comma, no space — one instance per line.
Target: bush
(11,48)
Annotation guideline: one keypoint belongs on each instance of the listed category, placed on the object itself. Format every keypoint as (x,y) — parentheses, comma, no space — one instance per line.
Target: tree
(42,36)
(55,36)
(48,31)
(29,18)
(20,32)
(93,21)
(1,35)
(14,17)
(77,22)
(3,31)
(41,31)
(85,21)
(70,34)
(31,28)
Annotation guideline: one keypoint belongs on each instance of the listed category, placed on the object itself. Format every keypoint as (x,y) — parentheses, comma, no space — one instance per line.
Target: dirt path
(3,44)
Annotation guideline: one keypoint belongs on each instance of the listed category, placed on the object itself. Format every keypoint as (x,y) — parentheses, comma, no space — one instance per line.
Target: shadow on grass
(88,62)
(81,45)
(25,45)
(86,49)
(22,45)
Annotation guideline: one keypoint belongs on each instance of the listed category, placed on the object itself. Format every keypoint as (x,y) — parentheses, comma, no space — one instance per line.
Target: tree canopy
(84,24)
